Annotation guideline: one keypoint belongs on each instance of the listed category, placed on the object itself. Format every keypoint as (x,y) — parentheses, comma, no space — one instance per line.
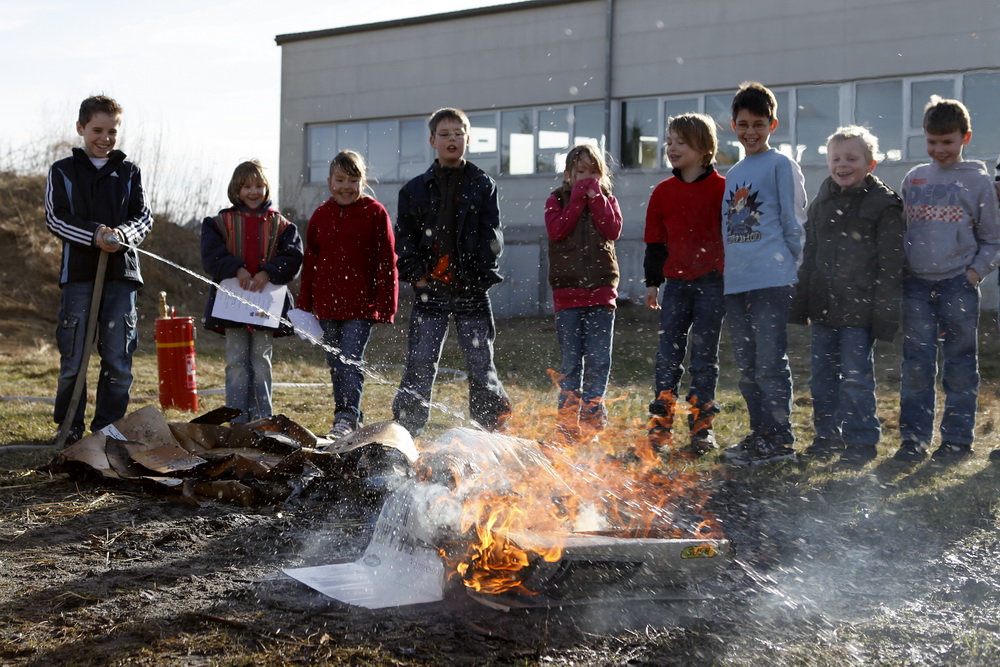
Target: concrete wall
(552,52)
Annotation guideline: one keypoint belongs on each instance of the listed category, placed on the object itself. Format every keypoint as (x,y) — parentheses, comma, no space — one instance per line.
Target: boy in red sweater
(684,249)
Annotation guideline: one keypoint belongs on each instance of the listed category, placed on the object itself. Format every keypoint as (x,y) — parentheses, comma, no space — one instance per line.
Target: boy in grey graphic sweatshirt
(951,243)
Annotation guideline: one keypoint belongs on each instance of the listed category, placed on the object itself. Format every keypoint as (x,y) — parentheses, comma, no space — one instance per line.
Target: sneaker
(341,427)
(823,449)
(762,450)
(701,443)
(858,455)
(949,452)
(75,433)
(738,450)
(910,451)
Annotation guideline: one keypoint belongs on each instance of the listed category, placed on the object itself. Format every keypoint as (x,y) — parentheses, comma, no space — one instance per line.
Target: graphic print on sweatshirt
(742,215)
(935,201)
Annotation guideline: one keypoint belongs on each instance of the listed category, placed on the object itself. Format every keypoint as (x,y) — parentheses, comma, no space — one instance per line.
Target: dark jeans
(347,340)
(692,308)
(585,342)
(116,341)
(843,385)
(473,314)
(945,314)
(758,327)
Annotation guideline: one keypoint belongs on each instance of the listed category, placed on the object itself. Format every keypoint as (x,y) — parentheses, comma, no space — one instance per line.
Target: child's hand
(259,281)
(651,294)
(244,278)
(973,277)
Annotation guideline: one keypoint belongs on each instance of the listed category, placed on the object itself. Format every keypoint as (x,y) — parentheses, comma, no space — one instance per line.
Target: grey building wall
(552,52)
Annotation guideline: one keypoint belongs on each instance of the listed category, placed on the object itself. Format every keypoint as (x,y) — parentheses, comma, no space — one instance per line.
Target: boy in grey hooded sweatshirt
(951,243)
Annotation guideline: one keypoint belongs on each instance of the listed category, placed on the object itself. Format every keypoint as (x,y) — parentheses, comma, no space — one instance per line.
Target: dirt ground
(854,571)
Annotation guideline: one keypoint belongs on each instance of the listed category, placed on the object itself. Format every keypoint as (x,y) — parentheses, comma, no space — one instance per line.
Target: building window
(588,125)
(414,148)
(483,145)
(553,140)
(640,135)
(879,107)
(517,147)
(920,94)
(382,155)
(817,116)
(981,94)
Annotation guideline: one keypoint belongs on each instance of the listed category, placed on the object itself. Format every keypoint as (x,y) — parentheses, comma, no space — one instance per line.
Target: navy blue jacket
(479,239)
(79,198)
(221,264)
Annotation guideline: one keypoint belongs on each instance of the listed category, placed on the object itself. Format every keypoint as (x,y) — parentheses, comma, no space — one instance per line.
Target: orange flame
(520,498)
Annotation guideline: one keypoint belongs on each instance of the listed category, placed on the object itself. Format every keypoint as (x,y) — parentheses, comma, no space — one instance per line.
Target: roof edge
(418,20)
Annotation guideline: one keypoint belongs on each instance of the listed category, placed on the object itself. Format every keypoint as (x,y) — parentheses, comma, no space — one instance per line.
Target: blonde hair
(251,170)
(698,131)
(868,140)
(596,156)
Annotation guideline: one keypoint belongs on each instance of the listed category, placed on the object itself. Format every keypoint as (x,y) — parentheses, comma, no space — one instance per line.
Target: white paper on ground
(305,323)
(396,569)
(265,310)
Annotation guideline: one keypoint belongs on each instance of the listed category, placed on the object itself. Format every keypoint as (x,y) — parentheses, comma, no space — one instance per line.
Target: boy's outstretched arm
(140,218)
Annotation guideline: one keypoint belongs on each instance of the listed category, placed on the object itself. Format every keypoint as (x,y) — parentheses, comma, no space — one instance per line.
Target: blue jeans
(116,338)
(585,341)
(843,385)
(692,308)
(941,313)
(757,325)
(473,314)
(248,373)
(347,340)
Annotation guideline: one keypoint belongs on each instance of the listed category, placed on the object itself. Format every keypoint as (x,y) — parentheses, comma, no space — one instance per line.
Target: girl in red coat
(349,281)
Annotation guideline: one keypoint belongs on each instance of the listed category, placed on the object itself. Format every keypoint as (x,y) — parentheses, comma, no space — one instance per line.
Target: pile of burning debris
(520,522)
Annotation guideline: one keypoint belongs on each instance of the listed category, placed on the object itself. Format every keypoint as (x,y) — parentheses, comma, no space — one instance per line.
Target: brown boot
(700,418)
(568,416)
(661,423)
(593,418)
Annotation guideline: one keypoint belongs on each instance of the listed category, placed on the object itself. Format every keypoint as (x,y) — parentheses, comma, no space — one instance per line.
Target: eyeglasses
(449,135)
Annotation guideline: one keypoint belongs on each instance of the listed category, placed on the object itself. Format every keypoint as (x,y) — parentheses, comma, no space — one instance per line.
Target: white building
(536,77)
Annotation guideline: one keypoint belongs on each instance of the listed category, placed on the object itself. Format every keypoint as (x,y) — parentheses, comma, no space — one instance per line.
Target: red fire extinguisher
(175,359)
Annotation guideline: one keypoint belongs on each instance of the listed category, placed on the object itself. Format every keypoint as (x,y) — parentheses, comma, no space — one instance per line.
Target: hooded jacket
(951,220)
(852,264)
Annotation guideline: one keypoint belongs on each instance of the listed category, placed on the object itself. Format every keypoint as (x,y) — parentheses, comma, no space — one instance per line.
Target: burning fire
(518,499)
